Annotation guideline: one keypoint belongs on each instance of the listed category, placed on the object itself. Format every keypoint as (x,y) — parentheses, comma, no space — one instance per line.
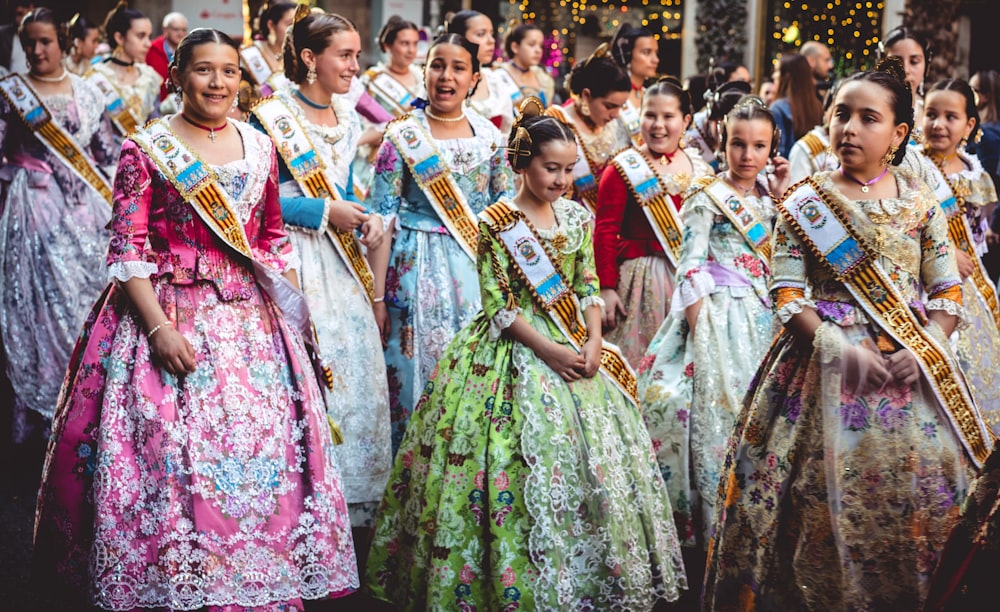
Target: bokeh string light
(851,29)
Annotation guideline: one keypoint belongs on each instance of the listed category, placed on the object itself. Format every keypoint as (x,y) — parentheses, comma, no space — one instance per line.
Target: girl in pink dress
(190,464)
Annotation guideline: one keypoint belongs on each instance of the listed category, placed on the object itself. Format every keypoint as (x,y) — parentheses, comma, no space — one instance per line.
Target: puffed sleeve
(938,266)
(273,245)
(694,281)
(788,273)
(131,200)
(585,282)
(499,303)
(612,198)
(386,193)
(298,211)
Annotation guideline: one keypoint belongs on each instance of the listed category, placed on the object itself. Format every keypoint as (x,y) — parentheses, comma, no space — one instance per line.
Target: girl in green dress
(526,478)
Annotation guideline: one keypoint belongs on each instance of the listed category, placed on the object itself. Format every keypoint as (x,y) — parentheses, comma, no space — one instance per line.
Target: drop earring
(584,108)
(311,75)
(964,142)
(889,155)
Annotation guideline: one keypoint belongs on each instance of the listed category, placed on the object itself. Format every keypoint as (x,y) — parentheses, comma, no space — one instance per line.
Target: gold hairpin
(72,22)
(302,12)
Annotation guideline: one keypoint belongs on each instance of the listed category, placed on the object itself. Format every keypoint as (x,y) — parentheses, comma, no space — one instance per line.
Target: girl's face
(403,49)
(479,30)
(281,27)
(135,43)
(448,77)
(913,58)
(863,127)
(945,121)
(337,64)
(550,173)
(528,52)
(604,110)
(748,147)
(662,123)
(41,46)
(645,58)
(209,81)
(87,46)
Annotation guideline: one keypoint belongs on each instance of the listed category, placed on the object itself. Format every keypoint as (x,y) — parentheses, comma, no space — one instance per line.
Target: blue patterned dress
(431,287)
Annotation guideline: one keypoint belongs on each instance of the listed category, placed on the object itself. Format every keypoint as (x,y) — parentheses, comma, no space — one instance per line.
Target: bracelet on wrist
(378,300)
(157,328)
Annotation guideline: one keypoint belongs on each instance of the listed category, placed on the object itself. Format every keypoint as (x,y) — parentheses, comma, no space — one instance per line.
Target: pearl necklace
(44,79)
(431,115)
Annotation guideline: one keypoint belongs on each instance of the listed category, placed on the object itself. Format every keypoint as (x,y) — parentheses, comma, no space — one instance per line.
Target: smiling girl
(55,207)
(310,116)
(637,236)
(852,454)
(968,197)
(436,169)
(697,368)
(397,82)
(543,494)
(192,422)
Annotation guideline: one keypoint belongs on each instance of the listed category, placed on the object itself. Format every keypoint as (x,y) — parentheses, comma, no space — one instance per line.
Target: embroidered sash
(198,184)
(550,291)
(120,113)
(33,112)
(961,236)
(629,116)
(435,179)
(654,200)
(825,232)
(743,218)
(256,65)
(586,170)
(309,171)
(388,92)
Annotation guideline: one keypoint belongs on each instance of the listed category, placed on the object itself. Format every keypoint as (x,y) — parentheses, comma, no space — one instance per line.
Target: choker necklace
(211,130)
(519,69)
(308,102)
(430,114)
(864,184)
(667,158)
(117,62)
(45,79)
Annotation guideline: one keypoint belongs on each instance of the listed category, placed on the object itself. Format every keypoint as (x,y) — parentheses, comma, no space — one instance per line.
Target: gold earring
(889,155)
(584,108)
(683,142)
(311,75)
(963,143)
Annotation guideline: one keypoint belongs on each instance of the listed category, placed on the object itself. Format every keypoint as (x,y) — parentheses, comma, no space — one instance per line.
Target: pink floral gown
(213,489)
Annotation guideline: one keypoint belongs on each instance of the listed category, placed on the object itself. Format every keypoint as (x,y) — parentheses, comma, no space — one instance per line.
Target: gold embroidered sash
(198,184)
(587,171)
(743,218)
(309,171)
(824,230)
(114,103)
(36,116)
(652,196)
(953,205)
(435,179)
(535,265)
(388,92)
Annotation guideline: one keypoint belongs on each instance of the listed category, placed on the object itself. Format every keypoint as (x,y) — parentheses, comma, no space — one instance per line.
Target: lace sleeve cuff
(291,260)
(693,287)
(124,270)
(503,319)
(950,307)
(792,308)
(591,300)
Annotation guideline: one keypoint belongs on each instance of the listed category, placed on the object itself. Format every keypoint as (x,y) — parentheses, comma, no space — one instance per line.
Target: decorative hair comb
(893,66)
(302,12)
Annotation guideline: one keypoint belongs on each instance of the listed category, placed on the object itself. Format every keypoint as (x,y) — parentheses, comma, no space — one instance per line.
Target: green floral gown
(514,489)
